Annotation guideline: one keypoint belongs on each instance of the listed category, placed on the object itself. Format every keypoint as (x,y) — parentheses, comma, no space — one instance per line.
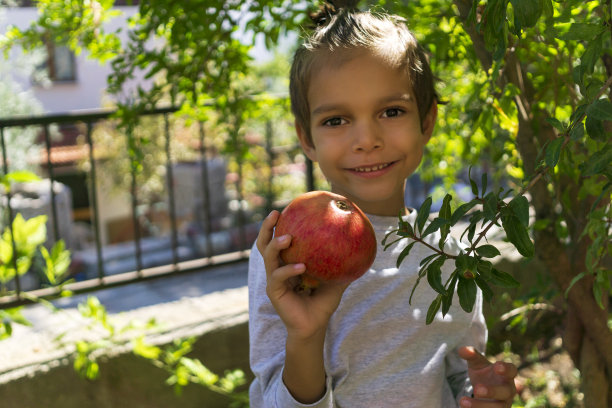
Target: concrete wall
(128,381)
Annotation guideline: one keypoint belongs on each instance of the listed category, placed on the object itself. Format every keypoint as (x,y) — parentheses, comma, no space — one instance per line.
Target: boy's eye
(334,122)
(392,112)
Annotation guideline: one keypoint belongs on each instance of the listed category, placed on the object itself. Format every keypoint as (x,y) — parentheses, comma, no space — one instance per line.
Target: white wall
(88,91)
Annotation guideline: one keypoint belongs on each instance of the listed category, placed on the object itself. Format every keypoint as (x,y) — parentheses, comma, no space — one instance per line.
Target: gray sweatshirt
(378,350)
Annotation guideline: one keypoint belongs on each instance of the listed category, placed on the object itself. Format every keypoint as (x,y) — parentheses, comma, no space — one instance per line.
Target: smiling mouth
(369,169)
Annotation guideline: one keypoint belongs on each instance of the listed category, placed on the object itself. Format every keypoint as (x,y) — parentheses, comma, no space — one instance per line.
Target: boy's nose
(367,137)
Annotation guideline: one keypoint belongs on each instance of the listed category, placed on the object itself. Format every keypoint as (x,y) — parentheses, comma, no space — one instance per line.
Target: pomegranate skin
(330,235)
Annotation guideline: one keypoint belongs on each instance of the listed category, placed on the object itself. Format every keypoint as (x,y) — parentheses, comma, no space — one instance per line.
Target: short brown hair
(340,31)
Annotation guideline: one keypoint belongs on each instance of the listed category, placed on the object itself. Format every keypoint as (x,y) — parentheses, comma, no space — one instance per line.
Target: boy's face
(366,132)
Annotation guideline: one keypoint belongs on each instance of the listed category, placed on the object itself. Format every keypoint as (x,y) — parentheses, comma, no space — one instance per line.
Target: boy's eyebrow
(403,97)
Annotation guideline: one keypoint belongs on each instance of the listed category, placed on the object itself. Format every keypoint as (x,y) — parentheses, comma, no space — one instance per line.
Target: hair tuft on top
(340,28)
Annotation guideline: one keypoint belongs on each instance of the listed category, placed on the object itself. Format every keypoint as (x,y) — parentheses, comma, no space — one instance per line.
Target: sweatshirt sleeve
(456,367)
(267,336)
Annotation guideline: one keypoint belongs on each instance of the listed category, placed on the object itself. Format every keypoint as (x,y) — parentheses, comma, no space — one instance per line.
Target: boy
(363,96)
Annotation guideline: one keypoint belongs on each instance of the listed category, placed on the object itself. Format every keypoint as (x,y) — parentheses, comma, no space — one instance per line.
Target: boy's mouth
(374,167)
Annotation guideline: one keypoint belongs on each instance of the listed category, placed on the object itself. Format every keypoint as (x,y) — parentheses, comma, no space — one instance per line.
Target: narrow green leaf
(484,182)
(520,208)
(517,234)
(428,259)
(423,213)
(434,226)
(597,162)
(553,152)
(484,269)
(404,253)
(604,191)
(600,109)
(487,292)
(447,299)
(574,280)
(595,128)
(22,176)
(461,211)
(434,277)
(556,123)
(526,13)
(405,229)
(489,209)
(577,132)
(503,279)
(487,251)
(445,209)
(466,290)
(433,309)
(471,232)
(582,32)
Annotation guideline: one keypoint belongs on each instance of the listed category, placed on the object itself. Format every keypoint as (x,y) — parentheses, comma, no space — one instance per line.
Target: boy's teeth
(373,168)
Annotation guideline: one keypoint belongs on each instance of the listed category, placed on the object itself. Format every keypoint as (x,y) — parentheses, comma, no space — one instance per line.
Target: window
(60,64)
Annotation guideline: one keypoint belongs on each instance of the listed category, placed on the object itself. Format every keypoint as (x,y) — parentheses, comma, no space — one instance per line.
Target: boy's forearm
(304,372)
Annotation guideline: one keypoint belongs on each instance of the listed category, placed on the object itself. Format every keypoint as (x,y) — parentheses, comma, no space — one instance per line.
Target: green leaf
(604,191)
(574,280)
(595,128)
(600,109)
(434,276)
(404,254)
(445,209)
(577,132)
(22,176)
(473,183)
(582,32)
(405,229)
(553,152)
(433,309)
(423,213)
(466,290)
(503,279)
(447,299)
(597,162)
(434,226)
(526,12)
(484,269)
(591,56)
(556,123)
(520,208)
(489,208)
(517,234)
(461,211)
(484,182)
(487,251)
(487,292)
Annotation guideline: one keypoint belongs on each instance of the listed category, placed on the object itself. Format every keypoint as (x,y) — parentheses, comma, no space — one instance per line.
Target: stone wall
(127,381)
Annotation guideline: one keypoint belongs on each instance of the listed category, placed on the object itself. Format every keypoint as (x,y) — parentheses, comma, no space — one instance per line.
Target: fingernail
(501,369)
(299,266)
(481,391)
(466,403)
(282,239)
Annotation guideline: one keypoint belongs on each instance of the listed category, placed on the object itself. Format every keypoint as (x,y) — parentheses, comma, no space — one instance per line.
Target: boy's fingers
(277,281)
(507,370)
(502,392)
(266,232)
(475,360)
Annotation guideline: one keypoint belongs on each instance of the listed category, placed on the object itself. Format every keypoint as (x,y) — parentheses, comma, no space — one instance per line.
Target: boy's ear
(429,121)
(305,142)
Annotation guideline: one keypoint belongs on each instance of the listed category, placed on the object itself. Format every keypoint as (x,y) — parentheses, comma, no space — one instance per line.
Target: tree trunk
(588,338)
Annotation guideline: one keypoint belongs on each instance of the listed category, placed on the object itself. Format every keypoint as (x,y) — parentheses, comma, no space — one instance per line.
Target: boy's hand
(303,314)
(493,383)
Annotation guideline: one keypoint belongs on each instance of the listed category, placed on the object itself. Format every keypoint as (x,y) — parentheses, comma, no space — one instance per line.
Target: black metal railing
(236,234)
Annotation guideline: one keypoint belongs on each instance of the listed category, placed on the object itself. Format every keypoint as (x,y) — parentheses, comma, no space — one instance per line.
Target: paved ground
(184,305)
